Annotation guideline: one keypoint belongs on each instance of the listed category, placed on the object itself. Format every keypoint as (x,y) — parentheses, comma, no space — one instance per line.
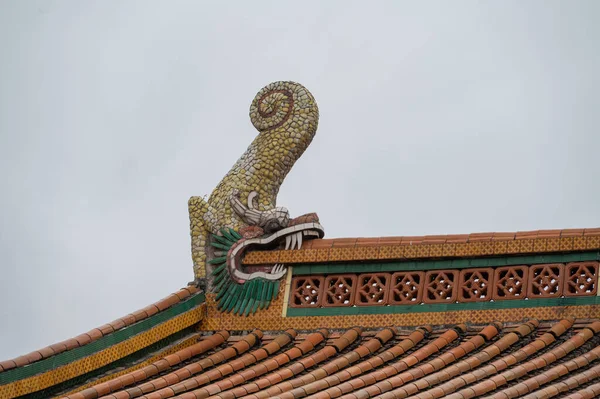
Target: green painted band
(358,267)
(109,340)
(442,307)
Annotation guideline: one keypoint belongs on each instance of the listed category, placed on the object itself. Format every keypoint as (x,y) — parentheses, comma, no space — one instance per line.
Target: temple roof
(499,360)
(276,311)
(183,346)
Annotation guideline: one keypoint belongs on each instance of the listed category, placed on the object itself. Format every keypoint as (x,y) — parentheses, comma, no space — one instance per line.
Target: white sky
(436,117)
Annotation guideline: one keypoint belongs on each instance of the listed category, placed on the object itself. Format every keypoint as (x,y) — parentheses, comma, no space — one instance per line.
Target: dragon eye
(272,225)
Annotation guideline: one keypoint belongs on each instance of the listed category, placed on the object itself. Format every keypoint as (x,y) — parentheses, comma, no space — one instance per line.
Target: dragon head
(241,290)
(270,229)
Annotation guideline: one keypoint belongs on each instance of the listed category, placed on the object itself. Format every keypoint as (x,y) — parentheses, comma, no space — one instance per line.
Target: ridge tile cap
(474,237)
(411,240)
(457,238)
(368,242)
(451,238)
(344,242)
(554,233)
(572,233)
(435,239)
(389,241)
(498,236)
(526,235)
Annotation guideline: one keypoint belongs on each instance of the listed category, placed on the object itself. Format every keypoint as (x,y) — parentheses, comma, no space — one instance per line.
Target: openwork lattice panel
(306,291)
(581,278)
(475,285)
(339,290)
(510,282)
(440,286)
(546,281)
(407,288)
(372,289)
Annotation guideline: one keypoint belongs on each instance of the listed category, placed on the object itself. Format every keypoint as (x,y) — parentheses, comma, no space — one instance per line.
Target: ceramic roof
(182,346)
(530,359)
(277,311)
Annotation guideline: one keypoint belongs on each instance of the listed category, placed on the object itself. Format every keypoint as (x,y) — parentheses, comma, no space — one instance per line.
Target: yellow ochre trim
(271,318)
(286,290)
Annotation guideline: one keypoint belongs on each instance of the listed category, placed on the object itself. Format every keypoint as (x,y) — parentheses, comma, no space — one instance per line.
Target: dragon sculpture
(241,212)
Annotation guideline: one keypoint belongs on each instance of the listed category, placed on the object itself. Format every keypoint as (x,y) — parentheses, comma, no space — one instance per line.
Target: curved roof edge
(99,332)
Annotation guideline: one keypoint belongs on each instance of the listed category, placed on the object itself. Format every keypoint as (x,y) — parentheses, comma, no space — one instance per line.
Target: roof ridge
(450,238)
(99,332)
(431,246)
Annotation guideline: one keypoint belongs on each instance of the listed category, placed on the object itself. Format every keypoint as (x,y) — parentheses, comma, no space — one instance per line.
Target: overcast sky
(436,117)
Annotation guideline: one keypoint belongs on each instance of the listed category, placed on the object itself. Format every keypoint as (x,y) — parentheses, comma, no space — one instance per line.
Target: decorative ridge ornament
(241,212)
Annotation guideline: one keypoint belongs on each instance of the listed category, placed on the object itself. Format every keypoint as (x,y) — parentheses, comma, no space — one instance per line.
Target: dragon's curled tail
(241,211)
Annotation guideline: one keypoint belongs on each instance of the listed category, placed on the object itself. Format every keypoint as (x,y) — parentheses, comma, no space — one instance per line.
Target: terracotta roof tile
(503,236)
(368,242)
(344,242)
(457,238)
(411,240)
(323,243)
(526,235)
(390,240)
(549,233)
(571,232)
(474,237)
(528,359)
(434,239)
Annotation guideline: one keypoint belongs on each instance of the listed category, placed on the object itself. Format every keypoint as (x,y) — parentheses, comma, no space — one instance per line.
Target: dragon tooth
(288,241)
(299,234)
(294,238)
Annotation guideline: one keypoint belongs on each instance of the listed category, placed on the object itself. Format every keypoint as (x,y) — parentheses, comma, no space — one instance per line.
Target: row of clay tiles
(425,363)
(432,246)
(449,239)
(97,333)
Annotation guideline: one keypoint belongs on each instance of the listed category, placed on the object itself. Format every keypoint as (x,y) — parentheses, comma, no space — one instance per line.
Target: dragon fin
(242,299)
